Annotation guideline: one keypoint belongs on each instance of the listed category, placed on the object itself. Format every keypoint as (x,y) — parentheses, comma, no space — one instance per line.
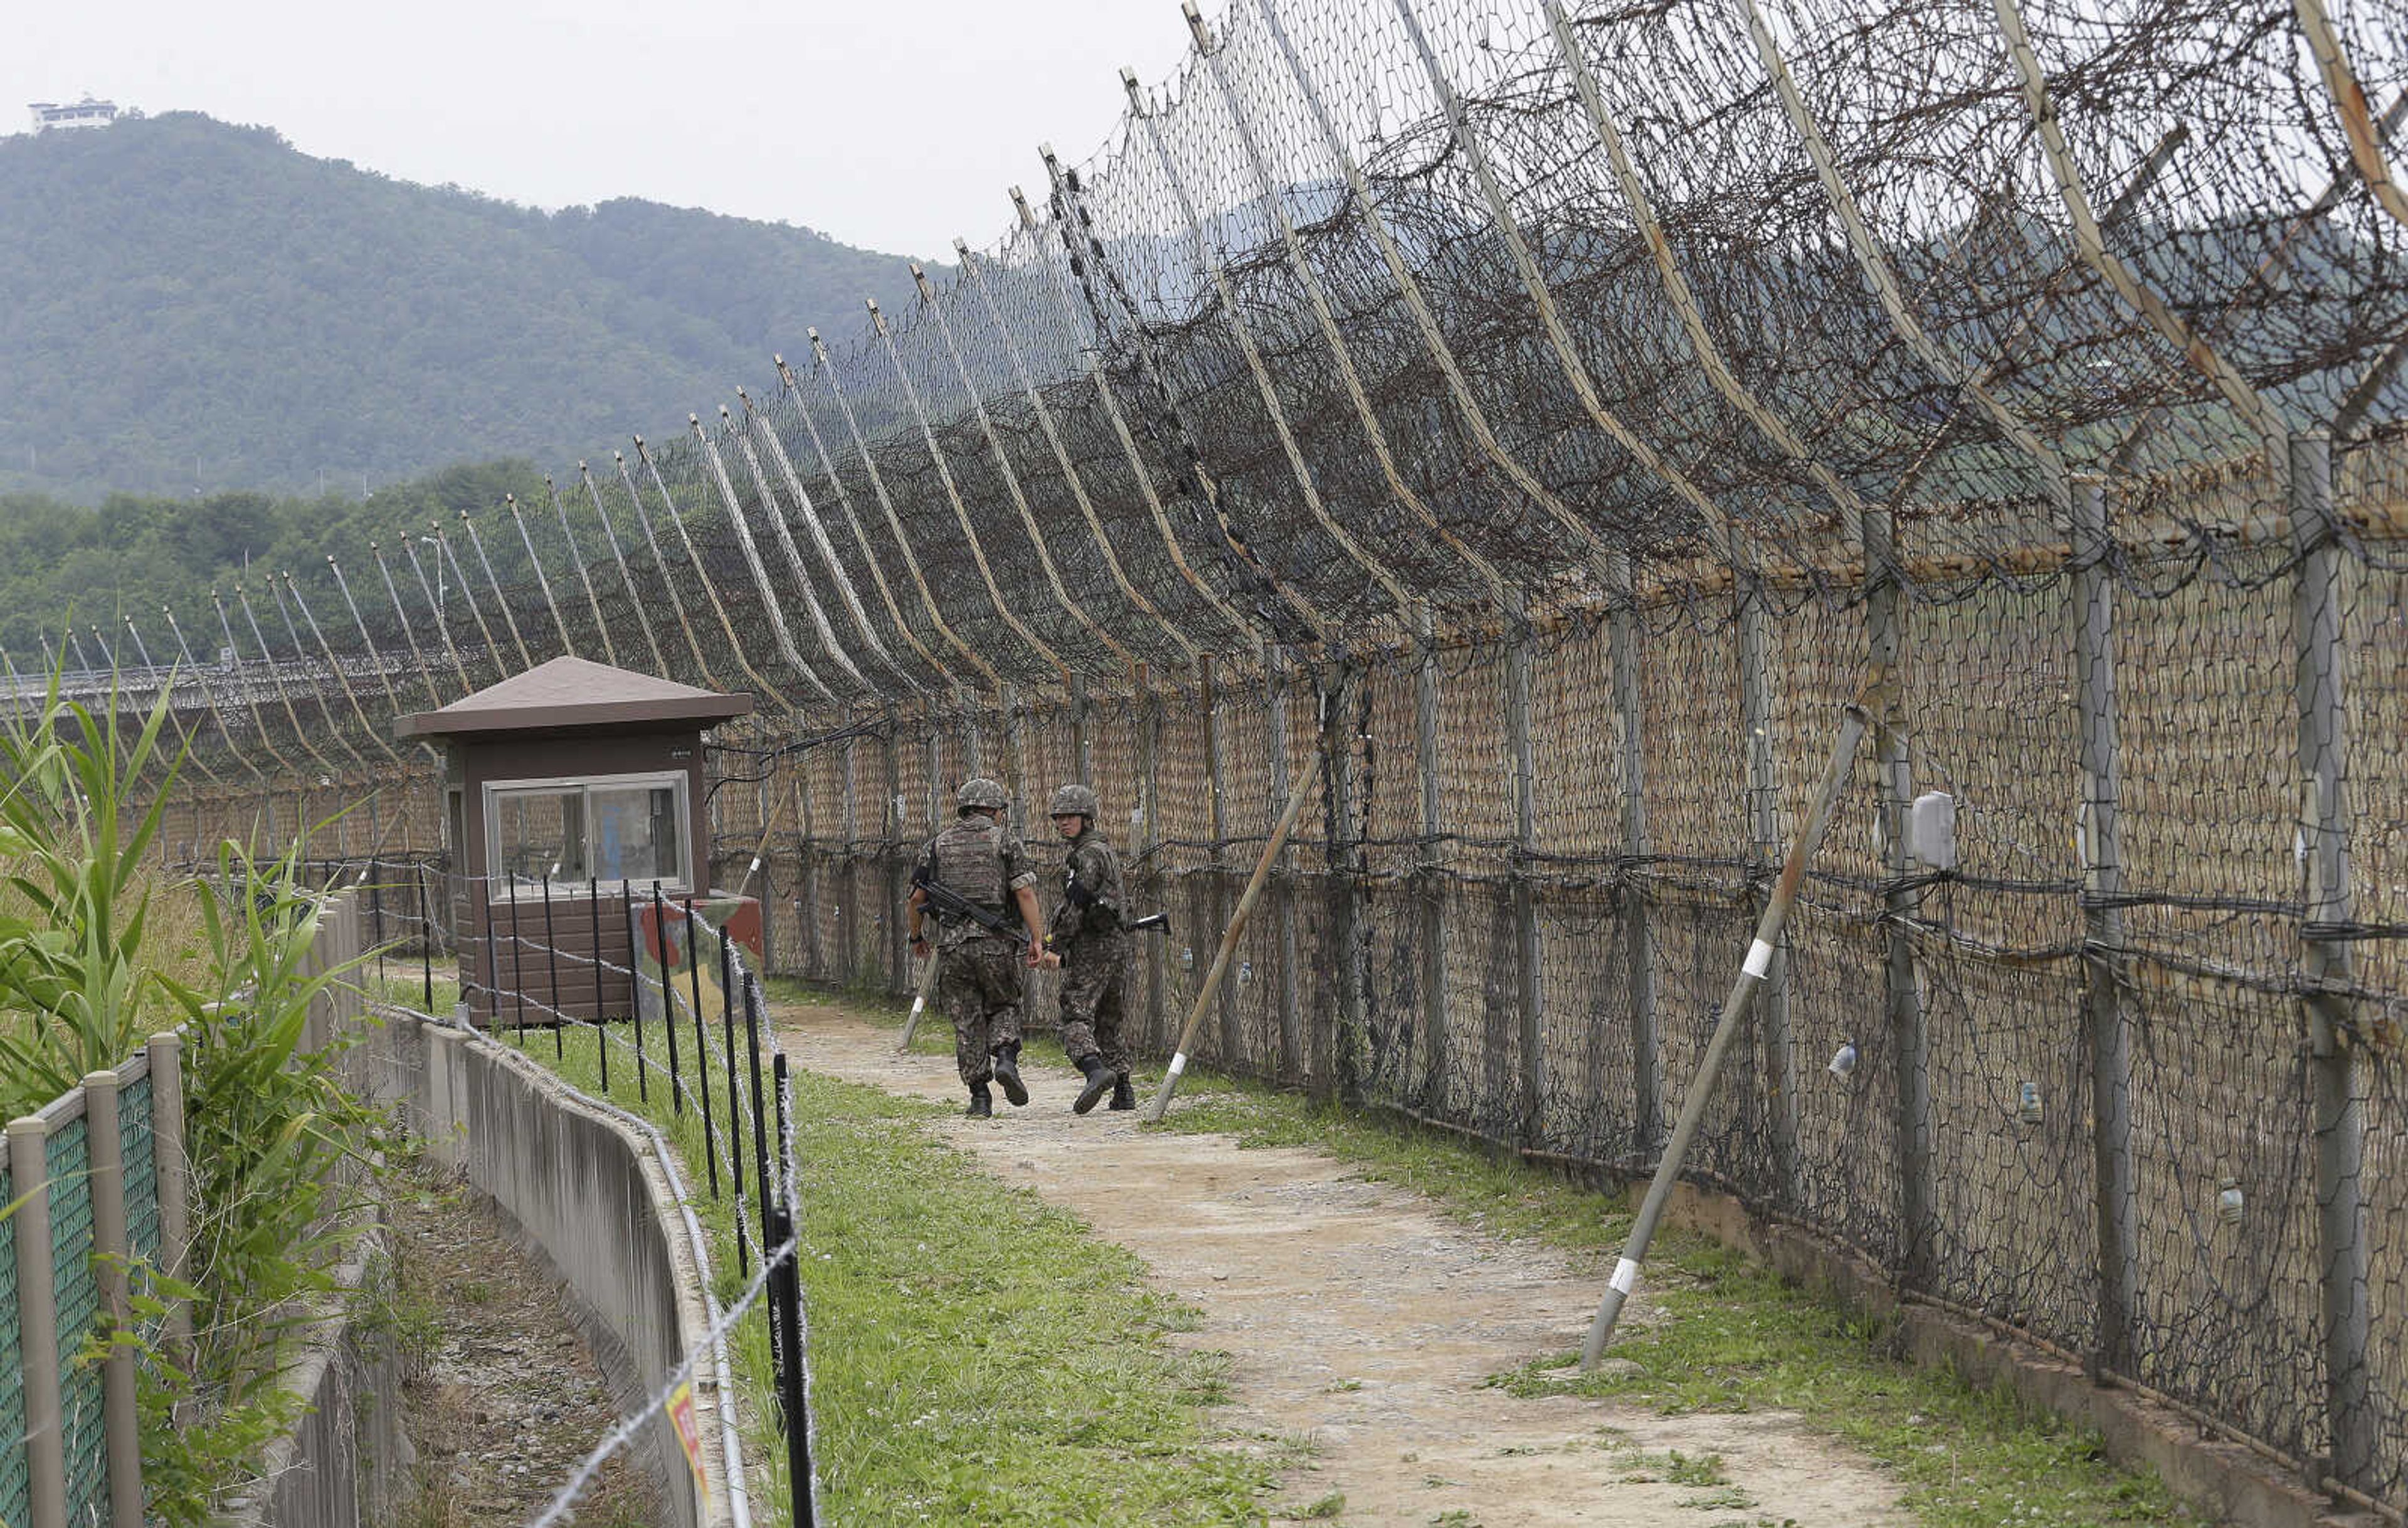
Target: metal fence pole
(2103,964)
(1430,864)
(1149,807)
(112,1251)
(38,1322)
(807,878)
(1081,752)
(1337,1059)
(693,927)
(1910,1056)
(894,864)
(636,986)
(847,910)
(2339,1118)
(1533,1031)
(1764,853)
(1217,814)
(1639,943)
(1291,1020)
(668,997)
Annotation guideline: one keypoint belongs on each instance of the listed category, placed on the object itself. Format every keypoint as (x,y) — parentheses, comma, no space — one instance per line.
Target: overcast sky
(890,125)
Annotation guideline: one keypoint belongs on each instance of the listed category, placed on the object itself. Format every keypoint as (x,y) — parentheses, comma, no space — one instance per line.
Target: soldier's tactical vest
(970,860)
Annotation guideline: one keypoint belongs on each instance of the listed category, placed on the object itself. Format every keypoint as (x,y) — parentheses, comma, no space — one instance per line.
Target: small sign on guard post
(682,1413)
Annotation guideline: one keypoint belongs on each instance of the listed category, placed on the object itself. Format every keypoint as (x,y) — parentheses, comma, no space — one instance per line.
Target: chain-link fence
(1526,429)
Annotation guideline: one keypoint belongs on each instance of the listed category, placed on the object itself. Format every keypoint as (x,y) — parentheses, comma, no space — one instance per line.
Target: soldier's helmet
(982,792)
(1074,800)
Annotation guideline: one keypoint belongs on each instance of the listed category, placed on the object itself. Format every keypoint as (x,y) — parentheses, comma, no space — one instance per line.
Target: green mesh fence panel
(134,1139)
(13,1484)
(79,1305)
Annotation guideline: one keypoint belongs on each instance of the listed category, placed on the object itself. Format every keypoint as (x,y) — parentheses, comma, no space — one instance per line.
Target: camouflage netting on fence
(1545,424)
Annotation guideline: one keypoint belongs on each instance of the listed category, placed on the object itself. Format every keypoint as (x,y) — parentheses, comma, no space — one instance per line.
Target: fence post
(1903,1002)
(1638,944)
(848,911)
(120,1427)
(1337,1065)
(1430,863)
(2339,1117)
(1290,1021)
(973,755)
(1217,898)
(2103,965)
(894,859)
(38,1321)
(1764,846)
(175,1171)
(1149,806)
(1523,893)
(806,873)
(1078,740)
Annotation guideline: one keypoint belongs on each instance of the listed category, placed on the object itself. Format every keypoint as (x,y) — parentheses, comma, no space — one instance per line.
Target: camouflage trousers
(1098,972)
(979,987)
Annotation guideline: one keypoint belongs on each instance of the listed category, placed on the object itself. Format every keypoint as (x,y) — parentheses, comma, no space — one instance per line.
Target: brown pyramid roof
(573,694)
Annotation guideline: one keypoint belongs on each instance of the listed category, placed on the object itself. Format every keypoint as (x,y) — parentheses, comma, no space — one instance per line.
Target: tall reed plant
(77,993)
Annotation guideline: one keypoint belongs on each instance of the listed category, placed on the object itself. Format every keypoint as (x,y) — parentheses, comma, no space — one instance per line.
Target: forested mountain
(188,306)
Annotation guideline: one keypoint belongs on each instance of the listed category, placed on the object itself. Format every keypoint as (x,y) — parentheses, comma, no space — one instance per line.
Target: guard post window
(611,827)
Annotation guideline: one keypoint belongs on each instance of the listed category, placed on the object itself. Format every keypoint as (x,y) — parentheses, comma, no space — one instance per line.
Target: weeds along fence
(1526,427)
(100,1188)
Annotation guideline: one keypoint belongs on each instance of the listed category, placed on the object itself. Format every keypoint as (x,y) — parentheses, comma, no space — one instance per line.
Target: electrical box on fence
(1931,830)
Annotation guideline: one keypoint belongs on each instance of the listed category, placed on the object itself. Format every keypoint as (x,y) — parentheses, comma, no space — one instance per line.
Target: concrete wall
(347,1464)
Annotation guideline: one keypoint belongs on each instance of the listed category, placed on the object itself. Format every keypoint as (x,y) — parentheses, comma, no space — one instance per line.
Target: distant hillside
(185,304)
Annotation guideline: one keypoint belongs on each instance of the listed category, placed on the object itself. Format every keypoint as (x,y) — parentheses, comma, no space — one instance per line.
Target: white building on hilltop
(50,116)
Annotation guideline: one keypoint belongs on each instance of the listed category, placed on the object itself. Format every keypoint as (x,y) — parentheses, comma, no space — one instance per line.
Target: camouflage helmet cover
(1074,800)
(982,792)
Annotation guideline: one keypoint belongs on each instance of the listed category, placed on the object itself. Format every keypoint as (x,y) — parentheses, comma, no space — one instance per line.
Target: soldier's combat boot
(1124,1096)
(1100,1082)
(981,1101)
(1007,1072)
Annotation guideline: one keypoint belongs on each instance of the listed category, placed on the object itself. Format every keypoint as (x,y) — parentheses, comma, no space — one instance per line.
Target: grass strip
(1730,1336)
(977,1355)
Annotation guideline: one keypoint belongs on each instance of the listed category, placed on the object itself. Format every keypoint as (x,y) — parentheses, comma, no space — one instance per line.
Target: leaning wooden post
(1430,866)
(38,1321)
(2339,1117)
(1702,1088)
(1763,853)
(120,1426)
(1161,1099)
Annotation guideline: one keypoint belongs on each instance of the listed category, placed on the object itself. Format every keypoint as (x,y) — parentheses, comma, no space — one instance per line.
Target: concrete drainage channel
(585,1193)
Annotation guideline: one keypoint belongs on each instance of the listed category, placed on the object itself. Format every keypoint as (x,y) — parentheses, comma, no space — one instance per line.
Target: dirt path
(1363,1322)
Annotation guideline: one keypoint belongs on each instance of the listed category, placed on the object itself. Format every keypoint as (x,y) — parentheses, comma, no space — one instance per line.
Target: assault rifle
(948,904)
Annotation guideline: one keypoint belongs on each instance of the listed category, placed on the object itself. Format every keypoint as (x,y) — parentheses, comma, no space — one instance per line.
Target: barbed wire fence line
(1528,424)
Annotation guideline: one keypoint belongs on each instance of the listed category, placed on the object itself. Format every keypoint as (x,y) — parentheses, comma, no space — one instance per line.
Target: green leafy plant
(78,993)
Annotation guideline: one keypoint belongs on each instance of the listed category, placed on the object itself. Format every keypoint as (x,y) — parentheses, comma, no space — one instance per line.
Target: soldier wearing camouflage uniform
(1093,949)
(978,983)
